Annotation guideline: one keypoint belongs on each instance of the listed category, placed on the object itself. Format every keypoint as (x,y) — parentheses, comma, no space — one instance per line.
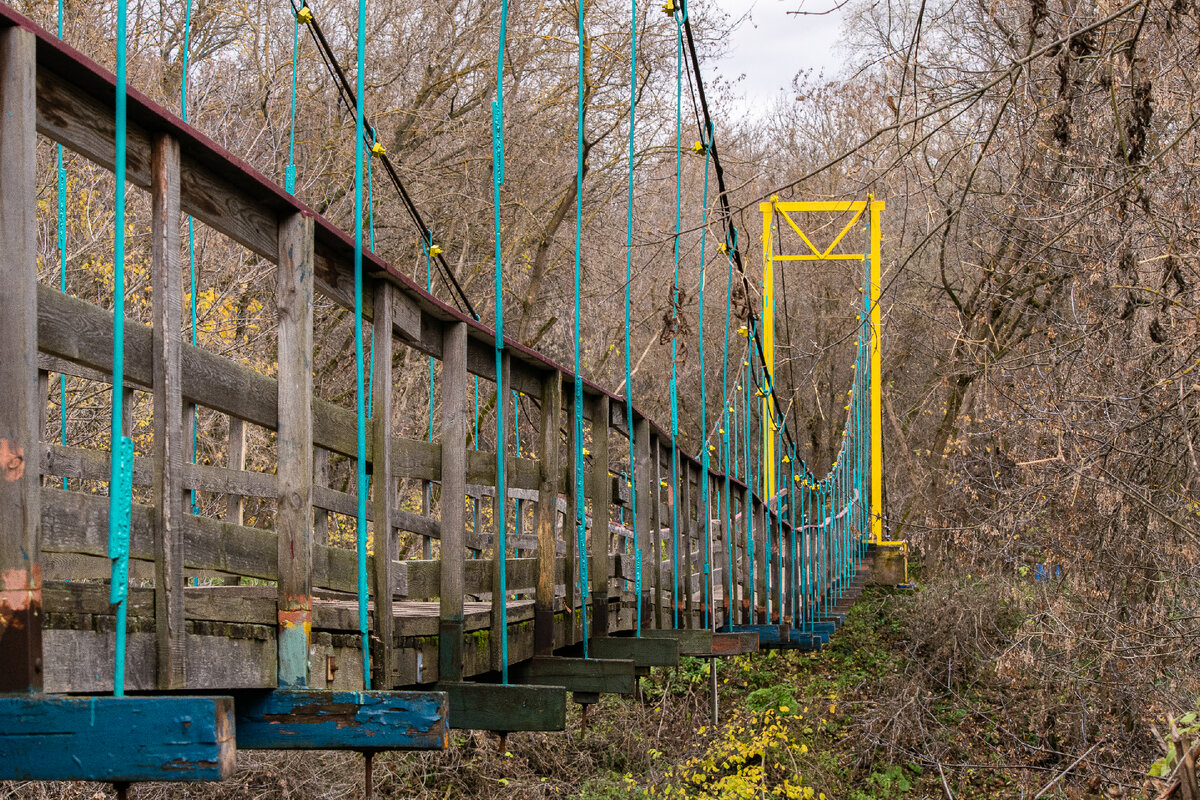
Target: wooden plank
(454,501)
(603,676)
(691,642)
(291,719)
(384,493)
(116,739)
(547,514)
(505,708)
(294,446)
(734,644)
(601,487)
(20,539)
(643,652)
(77,523)
(167,311)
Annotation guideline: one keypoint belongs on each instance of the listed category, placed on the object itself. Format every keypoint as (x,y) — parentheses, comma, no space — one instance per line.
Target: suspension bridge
(143,639)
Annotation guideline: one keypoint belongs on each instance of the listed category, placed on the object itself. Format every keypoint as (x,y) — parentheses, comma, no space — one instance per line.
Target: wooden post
(547,514)
(20,513)
(746,565)
(685,540)
(645,489)
(321,478)
(500,503)
(569,532)
(454,501)
(761,532)
(656,527)
(601,513)
(294,516)
(384,494)
(169,633)
(235,506)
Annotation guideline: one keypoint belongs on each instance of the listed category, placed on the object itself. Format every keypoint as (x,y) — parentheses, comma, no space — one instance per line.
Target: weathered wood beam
(644,492)
(498,640)
(601,487)
(384,493)
(290,719)
(116,739)
(167,310)
(454,502)
(500,708)
(643,652)
(547,514)
(294,445)
(595,675)
(20,407)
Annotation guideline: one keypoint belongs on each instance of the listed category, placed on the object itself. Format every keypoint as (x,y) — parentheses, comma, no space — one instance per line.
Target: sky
(772,46)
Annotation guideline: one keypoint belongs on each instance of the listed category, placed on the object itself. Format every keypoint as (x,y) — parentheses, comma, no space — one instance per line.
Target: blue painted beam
(116,739)
(309,719)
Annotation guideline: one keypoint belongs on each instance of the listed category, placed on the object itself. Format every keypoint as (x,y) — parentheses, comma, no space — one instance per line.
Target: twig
(945,785)
(1059,776)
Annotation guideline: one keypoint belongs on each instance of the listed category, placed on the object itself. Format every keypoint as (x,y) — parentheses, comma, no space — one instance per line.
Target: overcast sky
(772,46)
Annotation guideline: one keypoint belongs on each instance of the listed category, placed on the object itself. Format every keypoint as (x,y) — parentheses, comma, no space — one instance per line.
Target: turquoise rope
(637,545)
(675,327)
(748,473)
(426,244)
(120,485)
(62,261)
(289,180)
(183,87)
(580,527)
(725,426)
(359,377)
(501,481)
(704,459)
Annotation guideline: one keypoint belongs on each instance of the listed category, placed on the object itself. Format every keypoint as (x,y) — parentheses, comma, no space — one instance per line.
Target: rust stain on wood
(12,461)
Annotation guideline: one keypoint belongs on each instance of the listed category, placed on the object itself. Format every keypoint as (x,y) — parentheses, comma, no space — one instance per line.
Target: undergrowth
(914,697)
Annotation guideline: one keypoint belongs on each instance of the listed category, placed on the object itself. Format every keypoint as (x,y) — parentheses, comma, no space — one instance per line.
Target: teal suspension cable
(725,428)
(580,526)
(675,328)
(501,458)
(427,244)
(637,545)
(183,112)
(359,377)
(120,484)
(289,179)
(704,460)
(748,473)
(62,261)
